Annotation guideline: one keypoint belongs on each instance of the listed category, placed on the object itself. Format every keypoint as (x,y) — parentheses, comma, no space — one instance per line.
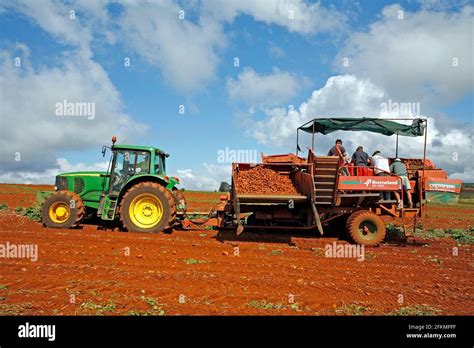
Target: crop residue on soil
(264,181)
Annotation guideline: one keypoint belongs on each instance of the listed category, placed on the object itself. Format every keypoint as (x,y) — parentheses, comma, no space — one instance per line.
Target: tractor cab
(131,161)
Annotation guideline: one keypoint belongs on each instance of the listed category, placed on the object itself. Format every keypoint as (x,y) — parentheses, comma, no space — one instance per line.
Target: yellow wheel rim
(59,212)
(145,211)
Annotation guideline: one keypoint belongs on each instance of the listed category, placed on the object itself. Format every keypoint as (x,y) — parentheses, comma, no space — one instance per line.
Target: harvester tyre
(147,207)
(63,209)
(365,228)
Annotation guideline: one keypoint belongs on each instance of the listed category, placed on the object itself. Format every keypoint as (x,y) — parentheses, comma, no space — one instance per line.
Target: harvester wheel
(63,209)
(147,207)
(365,228)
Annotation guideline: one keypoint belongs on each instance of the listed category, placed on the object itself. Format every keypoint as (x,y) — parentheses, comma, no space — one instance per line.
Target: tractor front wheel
(365,228)
(63,209)
(147,207)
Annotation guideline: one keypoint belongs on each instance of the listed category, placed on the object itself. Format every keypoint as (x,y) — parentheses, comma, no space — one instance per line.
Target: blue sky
(282,61)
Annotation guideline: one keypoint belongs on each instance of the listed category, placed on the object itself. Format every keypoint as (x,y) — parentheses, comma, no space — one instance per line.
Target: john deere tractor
(135,189)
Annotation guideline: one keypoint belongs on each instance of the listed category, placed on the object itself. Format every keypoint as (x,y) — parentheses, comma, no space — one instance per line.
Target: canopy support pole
(424,178)
(297,143)
(396,150)
(312,142)
(424,149)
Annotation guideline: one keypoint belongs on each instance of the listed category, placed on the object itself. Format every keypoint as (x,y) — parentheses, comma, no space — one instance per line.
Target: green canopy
(375,125)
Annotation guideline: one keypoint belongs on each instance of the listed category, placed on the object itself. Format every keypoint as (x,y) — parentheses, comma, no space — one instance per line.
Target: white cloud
(187,51)
(349,96)
(184,51)
(413,57)
(74,23)
(207,178)
(48,176)
(465,175)
(342,96)
(29,125)
(296,15)
(261,89)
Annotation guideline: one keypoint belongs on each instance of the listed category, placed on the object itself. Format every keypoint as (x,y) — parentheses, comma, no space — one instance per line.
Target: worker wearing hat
(398,168)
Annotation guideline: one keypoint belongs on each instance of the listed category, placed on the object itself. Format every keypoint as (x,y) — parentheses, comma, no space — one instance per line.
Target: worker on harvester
(360,159)
(398,168)
(381,168)
(340,151)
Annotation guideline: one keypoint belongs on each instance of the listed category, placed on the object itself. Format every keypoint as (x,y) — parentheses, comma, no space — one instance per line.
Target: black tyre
(365,228)
(63,209)
(147,207)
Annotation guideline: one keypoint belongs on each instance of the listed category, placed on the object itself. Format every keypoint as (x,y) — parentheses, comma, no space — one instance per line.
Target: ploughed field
(96,270)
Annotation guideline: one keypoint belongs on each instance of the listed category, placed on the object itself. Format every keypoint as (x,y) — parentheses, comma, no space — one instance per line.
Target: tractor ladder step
(110,213)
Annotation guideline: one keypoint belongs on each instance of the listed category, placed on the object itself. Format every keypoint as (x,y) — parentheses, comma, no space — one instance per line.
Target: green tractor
(135,189)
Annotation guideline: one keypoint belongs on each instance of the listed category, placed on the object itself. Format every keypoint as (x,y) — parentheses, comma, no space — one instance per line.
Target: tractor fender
(142,178)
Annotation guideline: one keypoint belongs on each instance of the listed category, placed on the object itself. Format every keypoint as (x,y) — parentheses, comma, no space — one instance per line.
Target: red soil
(221,274)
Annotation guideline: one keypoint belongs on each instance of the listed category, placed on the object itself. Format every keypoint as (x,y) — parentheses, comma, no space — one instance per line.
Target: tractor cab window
(126,164)
(159,164)
(142,162)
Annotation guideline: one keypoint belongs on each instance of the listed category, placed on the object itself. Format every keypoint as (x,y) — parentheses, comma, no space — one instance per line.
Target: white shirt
(381,164)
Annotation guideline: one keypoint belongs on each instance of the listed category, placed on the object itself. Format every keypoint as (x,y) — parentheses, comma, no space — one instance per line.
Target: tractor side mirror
(104,150)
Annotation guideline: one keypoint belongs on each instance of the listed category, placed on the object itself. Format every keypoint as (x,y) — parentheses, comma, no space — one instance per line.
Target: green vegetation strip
(32,213)
(264,305)
(419,310)
(462,236)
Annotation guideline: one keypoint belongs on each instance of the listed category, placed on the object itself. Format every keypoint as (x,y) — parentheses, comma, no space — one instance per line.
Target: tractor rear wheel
(365,228)
(63,209)
(147,207)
